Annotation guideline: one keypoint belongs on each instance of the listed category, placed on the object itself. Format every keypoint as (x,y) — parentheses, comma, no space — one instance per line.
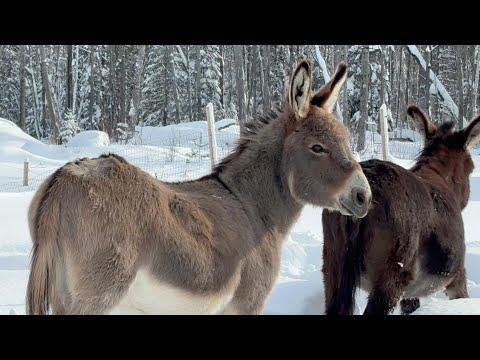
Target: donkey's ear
(327,96)
(472,133)
(300,90)
(422,123)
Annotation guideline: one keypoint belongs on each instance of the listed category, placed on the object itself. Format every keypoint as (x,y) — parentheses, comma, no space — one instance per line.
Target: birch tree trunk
(382,76)
(92,86)
(50,114)
(428,57)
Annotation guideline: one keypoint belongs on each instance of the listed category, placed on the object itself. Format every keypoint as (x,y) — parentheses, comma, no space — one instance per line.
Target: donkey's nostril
(359,196)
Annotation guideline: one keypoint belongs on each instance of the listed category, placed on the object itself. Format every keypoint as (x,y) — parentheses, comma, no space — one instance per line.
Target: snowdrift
(89,138)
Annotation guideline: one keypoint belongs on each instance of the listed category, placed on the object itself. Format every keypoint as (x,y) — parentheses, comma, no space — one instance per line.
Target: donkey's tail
(348,233)
(43,217)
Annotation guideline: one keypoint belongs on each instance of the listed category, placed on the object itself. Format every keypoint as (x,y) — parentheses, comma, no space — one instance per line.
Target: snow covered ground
(299,289)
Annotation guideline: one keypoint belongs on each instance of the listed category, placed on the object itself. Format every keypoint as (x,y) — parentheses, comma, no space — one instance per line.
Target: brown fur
(96,222)
(411,243)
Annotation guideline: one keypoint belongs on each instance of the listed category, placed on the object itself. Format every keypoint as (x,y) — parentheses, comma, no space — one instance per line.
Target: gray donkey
(110,238)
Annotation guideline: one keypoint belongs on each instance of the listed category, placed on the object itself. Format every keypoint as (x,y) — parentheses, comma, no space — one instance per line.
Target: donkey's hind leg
(408,306)
(457,289)
(387,289)
(99,285)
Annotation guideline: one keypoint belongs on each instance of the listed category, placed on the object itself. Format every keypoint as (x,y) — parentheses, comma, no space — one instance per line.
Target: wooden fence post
(25,173)
(212,139)
(384,132)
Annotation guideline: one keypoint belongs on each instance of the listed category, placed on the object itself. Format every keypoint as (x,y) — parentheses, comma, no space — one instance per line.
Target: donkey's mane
(248,133)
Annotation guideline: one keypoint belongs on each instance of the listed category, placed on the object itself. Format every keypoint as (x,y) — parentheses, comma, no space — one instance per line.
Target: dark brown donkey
(411,243)
(109,238)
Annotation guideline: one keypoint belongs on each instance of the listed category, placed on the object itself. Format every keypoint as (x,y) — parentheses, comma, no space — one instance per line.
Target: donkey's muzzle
(361,199)
(357,201)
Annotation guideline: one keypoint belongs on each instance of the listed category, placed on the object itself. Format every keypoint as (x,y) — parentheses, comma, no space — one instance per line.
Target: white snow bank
(450,307)
(89,138)
(14,234)
(186,134)
(16,146)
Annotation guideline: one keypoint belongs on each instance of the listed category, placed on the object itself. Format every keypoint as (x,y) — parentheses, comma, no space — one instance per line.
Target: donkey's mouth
(345,210)
(348,209)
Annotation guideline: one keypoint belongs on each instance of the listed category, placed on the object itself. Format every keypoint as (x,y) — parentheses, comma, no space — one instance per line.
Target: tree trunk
(476,60)
(92,86)
(166,57)
(428,58)
(458,54)
(189,86)
(75,80)
(137,87)
(111,125)
(240,83)
(407,83)
(69,89)
(222,76)
(382,76)
(22,111)
(261,72)
(39,131)
(266,83)
(399,87)
(123,74)
(198,89)
(51,116)
(363,99)
(345,107)
(171,64)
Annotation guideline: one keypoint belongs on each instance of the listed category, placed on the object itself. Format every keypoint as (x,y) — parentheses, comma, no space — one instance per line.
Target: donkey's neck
(444,176)
(255,176)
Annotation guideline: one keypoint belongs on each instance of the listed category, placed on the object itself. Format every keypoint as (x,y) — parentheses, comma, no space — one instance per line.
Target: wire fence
(403,144)
(183,156)
(176,158)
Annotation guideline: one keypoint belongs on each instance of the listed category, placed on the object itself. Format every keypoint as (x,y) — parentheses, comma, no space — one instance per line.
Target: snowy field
(180,152)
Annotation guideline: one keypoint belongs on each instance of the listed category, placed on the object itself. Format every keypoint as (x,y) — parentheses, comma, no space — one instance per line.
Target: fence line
(188,155)
(183,156)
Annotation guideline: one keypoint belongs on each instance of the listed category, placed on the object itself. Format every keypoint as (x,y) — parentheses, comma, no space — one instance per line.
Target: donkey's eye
(318,149)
